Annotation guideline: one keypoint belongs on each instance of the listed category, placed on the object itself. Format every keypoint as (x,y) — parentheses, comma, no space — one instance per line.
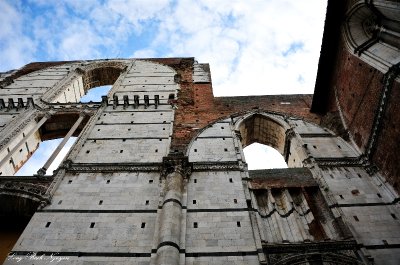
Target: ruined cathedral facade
(157,174)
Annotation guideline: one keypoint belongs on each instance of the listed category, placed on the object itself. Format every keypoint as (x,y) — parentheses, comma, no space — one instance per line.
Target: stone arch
(264,129)
(289,202)
(372,31)
(84,77)
(101,74)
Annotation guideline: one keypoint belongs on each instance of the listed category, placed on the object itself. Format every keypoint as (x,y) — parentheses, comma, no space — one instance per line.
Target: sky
(254,47)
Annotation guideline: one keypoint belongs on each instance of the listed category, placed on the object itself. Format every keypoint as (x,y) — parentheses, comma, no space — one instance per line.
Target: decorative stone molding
(176,162)
(388,81)
(216,166)
(131,167)
(34,190)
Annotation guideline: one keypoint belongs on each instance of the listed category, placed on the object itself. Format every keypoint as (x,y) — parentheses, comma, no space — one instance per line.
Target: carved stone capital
(176,163)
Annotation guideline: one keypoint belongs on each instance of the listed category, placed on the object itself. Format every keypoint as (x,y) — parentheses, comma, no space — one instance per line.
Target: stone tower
(158,176)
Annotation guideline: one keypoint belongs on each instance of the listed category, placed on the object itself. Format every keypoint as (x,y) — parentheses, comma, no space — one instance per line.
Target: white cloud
(244,41)
(144,53)
(16,49)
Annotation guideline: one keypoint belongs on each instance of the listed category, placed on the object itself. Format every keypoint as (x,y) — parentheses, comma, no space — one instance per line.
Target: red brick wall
(358,87)
(387,154)
(197,108)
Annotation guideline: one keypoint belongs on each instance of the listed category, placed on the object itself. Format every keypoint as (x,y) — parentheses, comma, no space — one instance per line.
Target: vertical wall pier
(23,140)
(170,220)
(168,243)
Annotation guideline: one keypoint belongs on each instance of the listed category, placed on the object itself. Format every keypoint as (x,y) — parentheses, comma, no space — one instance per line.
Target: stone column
(170,220)
(168,238)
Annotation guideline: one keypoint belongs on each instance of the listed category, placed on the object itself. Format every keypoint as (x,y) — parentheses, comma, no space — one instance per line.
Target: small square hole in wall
(143,225)
(98,130)
(359,175)
(108,181)
(379,195)
(238,224)
(235,200)
(226,149)
(123,140)
(60,201)
(341,197)
(100,202)
(48,224)
(69,181)
(195,180)
(356,218)
(339,147)
(92,225)
(195,150)
(315,147)
(195,224)
(393,216)
(156,150)
(121,151)
(88,151)
(223,138)
(147,202)
(194,201)
(230,180)
(222,128)
(150,181)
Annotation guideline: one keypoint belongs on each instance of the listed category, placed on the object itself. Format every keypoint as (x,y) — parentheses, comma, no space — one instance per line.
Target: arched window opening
(95,94)
(90,85)
(260,156)
(263,140)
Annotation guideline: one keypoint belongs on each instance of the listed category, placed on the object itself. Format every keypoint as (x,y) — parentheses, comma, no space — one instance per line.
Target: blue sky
(254,47)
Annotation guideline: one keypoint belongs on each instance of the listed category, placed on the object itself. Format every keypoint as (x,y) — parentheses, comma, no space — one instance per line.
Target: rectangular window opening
(92,225)
(195,224)
(100,202)
(238,224)
(143,225)
(48,224)
(194,201)
(356,218)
